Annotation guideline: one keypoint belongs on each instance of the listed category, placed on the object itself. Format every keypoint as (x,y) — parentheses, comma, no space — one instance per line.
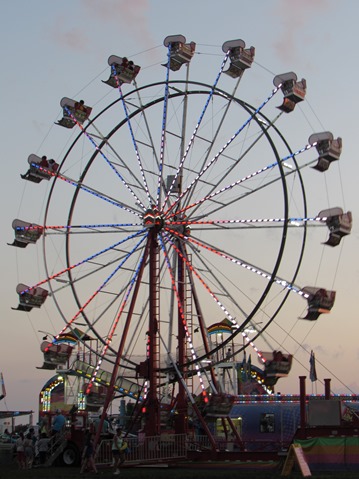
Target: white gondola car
(73,111)
(180,51)
(25,233)
(294,91)
(339,224)
(219,405)
(277,364)
(329,149)
(122,71)
(319,301)
(40,169)
(240,57)
(95,399)
(30,297)
(56,353)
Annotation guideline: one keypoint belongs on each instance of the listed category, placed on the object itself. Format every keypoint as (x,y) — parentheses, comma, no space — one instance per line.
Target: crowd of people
(32,448)
(25,447)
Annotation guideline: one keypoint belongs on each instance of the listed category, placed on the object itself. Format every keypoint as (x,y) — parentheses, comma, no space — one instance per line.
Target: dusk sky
(60,49)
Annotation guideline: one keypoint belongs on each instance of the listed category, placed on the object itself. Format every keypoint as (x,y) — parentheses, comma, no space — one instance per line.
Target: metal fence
(147,449)
(167,447)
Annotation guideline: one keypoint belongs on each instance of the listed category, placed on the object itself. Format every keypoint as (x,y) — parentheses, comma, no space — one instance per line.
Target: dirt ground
(11,471)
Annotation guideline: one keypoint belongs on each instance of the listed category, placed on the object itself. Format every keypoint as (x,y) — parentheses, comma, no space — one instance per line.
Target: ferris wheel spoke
(215,274)
(211,270)
(265,127)
(244,179)
(184,156)
(215,297)
(226,188)
(88,189)
(249,192)
(102,286)
(147,126)
(112,166)
(115,323)
(120,161)
(163,130)
(250,223)
(235,224)
(151,145)
(182,316)
(244,264)
(91,228)
(116,295)
(199,277)
(134,142)
(88,259)
(195,181)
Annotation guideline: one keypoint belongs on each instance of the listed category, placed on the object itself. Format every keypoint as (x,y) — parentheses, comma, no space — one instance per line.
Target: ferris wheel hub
(153,218)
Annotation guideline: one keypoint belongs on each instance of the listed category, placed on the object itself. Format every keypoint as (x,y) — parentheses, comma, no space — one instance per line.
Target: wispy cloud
(294,16)
(74,38)
(130,17)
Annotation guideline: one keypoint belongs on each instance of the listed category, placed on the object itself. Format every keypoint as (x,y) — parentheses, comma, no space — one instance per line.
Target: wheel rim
(73,282)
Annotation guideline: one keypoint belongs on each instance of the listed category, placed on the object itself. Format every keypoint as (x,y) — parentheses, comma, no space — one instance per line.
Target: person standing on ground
(43,446)
(88,455)
(20,451)
(118,450)
(29,451)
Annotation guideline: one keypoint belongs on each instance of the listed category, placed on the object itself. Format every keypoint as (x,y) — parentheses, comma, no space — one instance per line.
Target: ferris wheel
(177,207)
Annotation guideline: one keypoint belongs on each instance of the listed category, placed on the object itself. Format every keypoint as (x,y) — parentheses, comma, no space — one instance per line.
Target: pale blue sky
(54,49)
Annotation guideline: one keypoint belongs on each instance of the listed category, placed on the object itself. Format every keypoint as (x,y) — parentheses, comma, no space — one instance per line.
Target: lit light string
(293,220)
(244,153)
(86,260)
(163,132)
(146,385)
(249,267)
(215,158)
(83,369)
(260,381)
(285,398)
(72,227)
(145,390)
(238,182)
(190,143)
(249,221)
(97,148)
(212,294)
(113,328)
(29,228)
(45,395)
(83,188)
(287,165)
(98,290)
(131,132)
(183,319)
